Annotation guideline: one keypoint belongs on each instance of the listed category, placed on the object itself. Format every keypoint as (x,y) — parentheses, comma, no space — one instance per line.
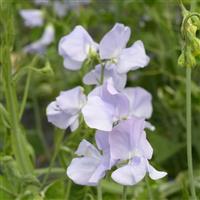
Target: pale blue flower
(90,167)
(128,143)
(110,105)
(113,47)
(113,106)
(32,17)
(76,47)
(65,111)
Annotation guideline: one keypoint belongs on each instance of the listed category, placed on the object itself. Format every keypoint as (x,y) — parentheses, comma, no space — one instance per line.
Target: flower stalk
(189,132)
(124,194)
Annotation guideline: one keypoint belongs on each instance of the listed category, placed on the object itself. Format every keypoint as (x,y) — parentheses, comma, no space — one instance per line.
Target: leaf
(165,147)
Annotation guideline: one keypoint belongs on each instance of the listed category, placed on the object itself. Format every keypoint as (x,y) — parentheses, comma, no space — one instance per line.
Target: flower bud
(181,60)
(190,60)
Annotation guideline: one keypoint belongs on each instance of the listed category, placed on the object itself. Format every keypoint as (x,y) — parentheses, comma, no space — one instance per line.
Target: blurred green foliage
(157,24)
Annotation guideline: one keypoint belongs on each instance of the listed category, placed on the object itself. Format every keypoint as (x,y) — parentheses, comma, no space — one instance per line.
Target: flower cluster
(118,114)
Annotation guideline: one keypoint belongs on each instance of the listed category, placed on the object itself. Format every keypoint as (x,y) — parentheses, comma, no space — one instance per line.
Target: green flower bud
(181,60)
(195,43)
(190,60)
(196,22)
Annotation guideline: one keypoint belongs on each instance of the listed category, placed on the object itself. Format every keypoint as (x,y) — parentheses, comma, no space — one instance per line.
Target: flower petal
(87,149)
(155,174)
(71,101)
(129,174)
(140,102)
(82,169)
(98,114)
(114,41)
(94,77)
(132,58)
(58,117)
(76,47)
(125,138)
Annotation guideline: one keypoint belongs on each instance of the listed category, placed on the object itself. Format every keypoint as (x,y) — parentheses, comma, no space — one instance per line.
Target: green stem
(99,191)
(39,126)
(189,132)
(124,194)
(69,185)
(150,194)
(102,73)
(57,148)
(24,99)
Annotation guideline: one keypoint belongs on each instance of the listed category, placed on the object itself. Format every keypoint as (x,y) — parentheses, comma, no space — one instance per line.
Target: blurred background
(155,22)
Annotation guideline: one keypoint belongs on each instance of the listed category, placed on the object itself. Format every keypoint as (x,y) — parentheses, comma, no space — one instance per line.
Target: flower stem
(150,194)
(99,191)
(189,132)
(57,148)
(124,194)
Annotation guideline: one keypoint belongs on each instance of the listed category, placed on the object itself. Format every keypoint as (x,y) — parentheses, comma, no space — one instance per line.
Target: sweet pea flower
(32,17)
(128,143)
(112,46)
(113,106)
(40,45)
(76,47)
(90,167)
(105,106)
(64,112)
(94,76)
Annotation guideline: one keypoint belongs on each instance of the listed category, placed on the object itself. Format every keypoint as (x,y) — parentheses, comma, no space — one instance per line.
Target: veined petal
(71,101)
(125,139)
(81,170)
(76,45)
(71,64)
(98,114)
(114,41)
(58,117)
(140,102)
(129,174)
(132,58)
(154,173)
(87,149)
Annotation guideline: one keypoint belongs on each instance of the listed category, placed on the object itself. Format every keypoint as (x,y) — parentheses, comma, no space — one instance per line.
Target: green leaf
(167,148)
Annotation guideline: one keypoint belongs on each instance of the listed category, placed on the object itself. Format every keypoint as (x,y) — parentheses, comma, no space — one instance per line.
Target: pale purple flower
(128,143)
(32,17)
(113,47)
(65,111)
(94,76)
(113,106)
(76,47)
(90,167)
(105,106)
(40,45)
